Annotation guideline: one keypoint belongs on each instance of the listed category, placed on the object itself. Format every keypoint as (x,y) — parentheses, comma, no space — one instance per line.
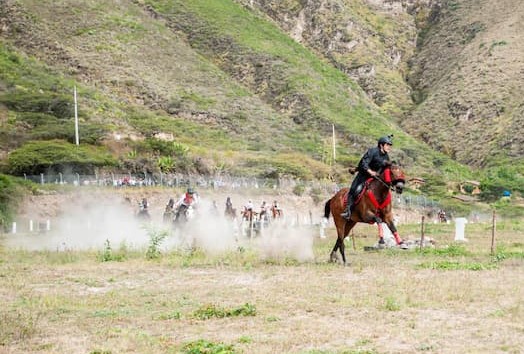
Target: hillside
(248,88)
(468,75)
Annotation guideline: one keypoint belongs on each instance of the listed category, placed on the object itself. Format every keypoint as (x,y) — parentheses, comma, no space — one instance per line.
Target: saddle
(363,191)
(360,192)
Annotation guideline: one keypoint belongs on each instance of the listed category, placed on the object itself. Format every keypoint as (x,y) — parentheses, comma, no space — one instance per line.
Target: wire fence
(174,180)
(221,182)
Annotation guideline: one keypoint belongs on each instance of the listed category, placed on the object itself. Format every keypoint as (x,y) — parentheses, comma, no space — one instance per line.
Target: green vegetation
(37,157)
(209,311)
(11,192)
(202,346)
(110,255)
(155,240)
(504,178)
(455,265)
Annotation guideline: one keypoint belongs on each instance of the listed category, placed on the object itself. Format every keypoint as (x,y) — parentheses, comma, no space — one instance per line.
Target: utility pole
(77,139)
(334,149)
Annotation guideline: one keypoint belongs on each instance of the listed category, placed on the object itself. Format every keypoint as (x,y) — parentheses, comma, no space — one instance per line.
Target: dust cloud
(91,224)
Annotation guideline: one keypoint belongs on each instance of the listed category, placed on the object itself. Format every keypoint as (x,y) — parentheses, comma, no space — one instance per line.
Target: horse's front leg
(394,231)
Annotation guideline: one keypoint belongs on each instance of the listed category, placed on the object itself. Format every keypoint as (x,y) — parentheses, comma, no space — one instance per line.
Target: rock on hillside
(468,75)
(371,41)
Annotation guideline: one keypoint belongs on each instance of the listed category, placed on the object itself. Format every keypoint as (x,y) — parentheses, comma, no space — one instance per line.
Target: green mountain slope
(203,86)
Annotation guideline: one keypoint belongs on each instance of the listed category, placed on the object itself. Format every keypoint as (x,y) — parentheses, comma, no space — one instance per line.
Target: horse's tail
(327,209)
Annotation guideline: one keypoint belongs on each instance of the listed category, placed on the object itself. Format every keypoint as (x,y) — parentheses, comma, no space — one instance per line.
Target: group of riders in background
(181,210)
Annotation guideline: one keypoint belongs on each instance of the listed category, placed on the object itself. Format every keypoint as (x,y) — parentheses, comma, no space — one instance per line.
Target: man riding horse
(373,161)
(190,198)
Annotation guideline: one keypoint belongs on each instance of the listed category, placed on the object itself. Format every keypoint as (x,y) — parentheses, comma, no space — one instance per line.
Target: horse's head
(394,176)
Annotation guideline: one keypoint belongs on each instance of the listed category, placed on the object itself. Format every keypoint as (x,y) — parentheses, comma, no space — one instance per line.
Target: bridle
(390,185)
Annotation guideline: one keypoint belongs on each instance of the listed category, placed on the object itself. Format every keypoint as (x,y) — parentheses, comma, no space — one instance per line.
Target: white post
(30,225)
(48,225)
(13,229)
(460,225)
(323,224)
(77,138)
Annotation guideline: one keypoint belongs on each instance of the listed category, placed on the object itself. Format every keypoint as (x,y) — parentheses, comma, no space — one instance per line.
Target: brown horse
(230,213)
(373,205)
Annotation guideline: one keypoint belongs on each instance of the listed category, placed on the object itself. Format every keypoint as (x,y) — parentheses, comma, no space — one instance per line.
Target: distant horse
(249,215)
(169,212)
(230,213)
(143,213)
(373,205)
(183,214)
(248,221)
(276,212)
(168,216)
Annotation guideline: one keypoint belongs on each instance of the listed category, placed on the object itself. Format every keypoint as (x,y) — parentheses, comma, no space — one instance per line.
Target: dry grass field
(273,294)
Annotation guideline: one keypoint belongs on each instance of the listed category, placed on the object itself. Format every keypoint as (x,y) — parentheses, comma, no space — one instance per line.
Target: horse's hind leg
(345,232)
(333,255)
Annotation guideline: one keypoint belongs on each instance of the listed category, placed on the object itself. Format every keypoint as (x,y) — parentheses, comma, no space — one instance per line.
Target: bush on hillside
(10,193)
(47,127)
(37,157)
(500,179)
(58,105)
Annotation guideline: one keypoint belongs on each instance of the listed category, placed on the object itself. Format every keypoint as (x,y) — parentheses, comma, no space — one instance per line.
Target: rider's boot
(347,213)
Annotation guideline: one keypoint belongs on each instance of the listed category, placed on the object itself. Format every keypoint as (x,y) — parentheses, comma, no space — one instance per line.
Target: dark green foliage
(165,148)
(58,105)
(10,192)
(503,178)
(155,240)
(108,254)
(44,126)
(210,311)
(470,31)
(299,189)
(455,265)
(37,157)
(204,347)
(435,183)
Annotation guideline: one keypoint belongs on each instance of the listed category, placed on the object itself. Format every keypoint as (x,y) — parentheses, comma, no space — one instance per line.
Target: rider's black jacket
(373,159)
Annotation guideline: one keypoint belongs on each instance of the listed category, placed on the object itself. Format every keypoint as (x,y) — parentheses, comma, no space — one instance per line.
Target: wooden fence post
(493,228)
(422,232)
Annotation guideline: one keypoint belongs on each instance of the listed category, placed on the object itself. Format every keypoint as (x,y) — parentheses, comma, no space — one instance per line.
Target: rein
(389,185)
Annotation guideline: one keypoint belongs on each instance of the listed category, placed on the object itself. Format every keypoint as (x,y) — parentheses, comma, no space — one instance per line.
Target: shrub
(10,192)
(58,105)
(37,157)
(299,189)
(155,240)
(203,346)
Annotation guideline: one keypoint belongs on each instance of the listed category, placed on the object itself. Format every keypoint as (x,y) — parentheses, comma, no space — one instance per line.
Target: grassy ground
(456,298)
